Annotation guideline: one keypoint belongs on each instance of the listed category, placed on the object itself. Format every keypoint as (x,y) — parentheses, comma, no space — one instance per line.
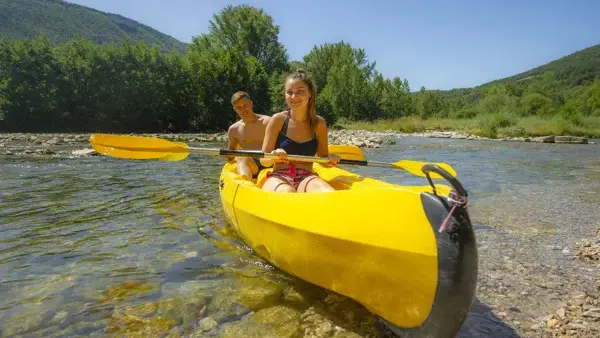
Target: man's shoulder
(235,124)
(234,127)
(263,118)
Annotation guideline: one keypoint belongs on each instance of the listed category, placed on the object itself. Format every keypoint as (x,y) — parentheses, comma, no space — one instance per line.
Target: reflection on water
(103,246)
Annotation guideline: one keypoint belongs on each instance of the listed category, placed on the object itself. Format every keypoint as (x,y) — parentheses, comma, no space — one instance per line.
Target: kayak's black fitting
(457,262)
(252,153)
(427,168)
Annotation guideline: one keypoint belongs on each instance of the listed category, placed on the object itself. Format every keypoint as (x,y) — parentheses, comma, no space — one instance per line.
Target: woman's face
(297,93)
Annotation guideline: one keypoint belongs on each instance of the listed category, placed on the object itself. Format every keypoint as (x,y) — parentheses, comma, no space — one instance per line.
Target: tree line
(80,86)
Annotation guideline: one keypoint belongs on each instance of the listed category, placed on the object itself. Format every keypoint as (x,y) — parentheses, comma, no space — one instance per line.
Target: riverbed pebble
(579,314)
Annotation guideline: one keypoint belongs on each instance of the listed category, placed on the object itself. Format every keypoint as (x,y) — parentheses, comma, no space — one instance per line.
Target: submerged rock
(207,324)
(277,321)
(543,139)
(570,139)
(256,297)
(84,152)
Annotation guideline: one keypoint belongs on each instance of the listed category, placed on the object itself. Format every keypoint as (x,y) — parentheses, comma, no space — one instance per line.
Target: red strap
(292,171)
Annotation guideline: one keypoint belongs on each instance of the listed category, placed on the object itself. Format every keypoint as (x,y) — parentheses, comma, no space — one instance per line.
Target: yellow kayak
(407,253)
(384,245)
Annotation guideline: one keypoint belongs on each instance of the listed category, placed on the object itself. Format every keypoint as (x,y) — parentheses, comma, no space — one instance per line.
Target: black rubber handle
(355,162)
(427,168)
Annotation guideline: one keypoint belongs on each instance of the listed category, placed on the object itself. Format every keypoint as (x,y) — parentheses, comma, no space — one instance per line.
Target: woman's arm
(272,130)
(323,147)
(323,143)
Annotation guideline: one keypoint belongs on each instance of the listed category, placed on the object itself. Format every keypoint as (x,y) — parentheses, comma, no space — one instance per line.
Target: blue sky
(432,43)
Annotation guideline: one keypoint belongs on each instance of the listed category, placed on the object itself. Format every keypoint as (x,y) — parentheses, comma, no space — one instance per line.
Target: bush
(515,131)
(466,113)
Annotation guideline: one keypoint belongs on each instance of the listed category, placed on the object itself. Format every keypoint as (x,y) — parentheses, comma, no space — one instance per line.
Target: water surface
(101,246)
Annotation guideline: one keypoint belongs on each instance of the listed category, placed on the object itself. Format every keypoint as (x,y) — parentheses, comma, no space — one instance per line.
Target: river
(96,246)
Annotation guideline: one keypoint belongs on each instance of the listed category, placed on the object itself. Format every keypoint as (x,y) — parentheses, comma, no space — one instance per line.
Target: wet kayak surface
(100,246)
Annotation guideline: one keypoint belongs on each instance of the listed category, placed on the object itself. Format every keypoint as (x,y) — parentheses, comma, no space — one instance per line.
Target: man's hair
(239,95)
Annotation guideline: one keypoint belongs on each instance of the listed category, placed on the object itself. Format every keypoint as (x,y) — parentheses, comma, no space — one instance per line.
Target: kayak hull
(369,240)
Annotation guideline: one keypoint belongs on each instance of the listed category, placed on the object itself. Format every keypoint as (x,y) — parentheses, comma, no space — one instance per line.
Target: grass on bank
(488,125)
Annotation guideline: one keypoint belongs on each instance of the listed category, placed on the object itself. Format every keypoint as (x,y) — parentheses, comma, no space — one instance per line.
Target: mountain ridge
(61,21)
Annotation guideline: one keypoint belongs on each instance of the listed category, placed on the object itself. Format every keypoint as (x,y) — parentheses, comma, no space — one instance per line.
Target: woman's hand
(334,159)
(282,155)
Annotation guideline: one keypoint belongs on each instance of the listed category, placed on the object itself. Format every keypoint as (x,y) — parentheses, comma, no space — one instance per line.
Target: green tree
(591,104)
(497,99)
(321,59)
(74,88)
(217,74)
(536,104)
(430,103)
(570,112)
(30,92)
(392,96)
(249,30)
(180,103)
(348,94)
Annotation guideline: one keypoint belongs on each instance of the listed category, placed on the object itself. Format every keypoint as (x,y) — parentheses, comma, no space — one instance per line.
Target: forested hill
(568,86)
(61,21)
(576,69)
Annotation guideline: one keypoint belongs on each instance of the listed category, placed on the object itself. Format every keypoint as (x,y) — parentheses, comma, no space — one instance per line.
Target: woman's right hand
(282,155)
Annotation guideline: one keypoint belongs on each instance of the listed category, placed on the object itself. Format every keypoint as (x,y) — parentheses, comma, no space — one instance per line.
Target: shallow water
(100,246)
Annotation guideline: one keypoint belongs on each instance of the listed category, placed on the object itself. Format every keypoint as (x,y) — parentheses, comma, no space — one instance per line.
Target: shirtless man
(246,134)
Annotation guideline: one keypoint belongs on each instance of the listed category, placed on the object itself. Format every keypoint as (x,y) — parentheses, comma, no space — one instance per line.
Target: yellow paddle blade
(414,167)
(347,152)
(138,147)
(175,157)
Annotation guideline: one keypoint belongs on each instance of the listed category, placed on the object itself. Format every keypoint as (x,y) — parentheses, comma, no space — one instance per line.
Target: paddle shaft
(298,158)
(257,154)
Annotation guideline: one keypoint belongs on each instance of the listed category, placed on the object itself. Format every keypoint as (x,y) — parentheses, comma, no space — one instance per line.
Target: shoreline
(50,143)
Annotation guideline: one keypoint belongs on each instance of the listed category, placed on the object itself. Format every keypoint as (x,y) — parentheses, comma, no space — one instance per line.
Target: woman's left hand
(334,159)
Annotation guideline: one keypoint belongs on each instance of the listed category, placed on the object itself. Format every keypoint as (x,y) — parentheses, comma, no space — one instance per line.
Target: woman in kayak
(296,131)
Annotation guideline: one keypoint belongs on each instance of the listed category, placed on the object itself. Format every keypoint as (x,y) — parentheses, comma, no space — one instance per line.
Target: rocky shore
(57,144)
(579,313)
(373,139)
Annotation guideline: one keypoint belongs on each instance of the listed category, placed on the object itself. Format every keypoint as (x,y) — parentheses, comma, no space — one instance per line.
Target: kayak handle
(427,168)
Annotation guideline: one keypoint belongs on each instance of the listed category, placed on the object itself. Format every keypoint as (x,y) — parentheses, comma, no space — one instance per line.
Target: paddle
(354,155)
(153,148)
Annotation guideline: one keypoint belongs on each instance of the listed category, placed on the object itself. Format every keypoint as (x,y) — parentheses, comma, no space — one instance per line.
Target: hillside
(576,69)
(559,80)
(61,20)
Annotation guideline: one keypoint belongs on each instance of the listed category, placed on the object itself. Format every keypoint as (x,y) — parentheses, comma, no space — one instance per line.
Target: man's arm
(233,142)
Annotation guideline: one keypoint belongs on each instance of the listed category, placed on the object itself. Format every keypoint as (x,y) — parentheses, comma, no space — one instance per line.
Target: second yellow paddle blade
(138,147)
(414,167)
(347,152)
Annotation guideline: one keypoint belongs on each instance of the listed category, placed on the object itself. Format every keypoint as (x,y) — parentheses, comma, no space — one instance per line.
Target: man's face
(243,107)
